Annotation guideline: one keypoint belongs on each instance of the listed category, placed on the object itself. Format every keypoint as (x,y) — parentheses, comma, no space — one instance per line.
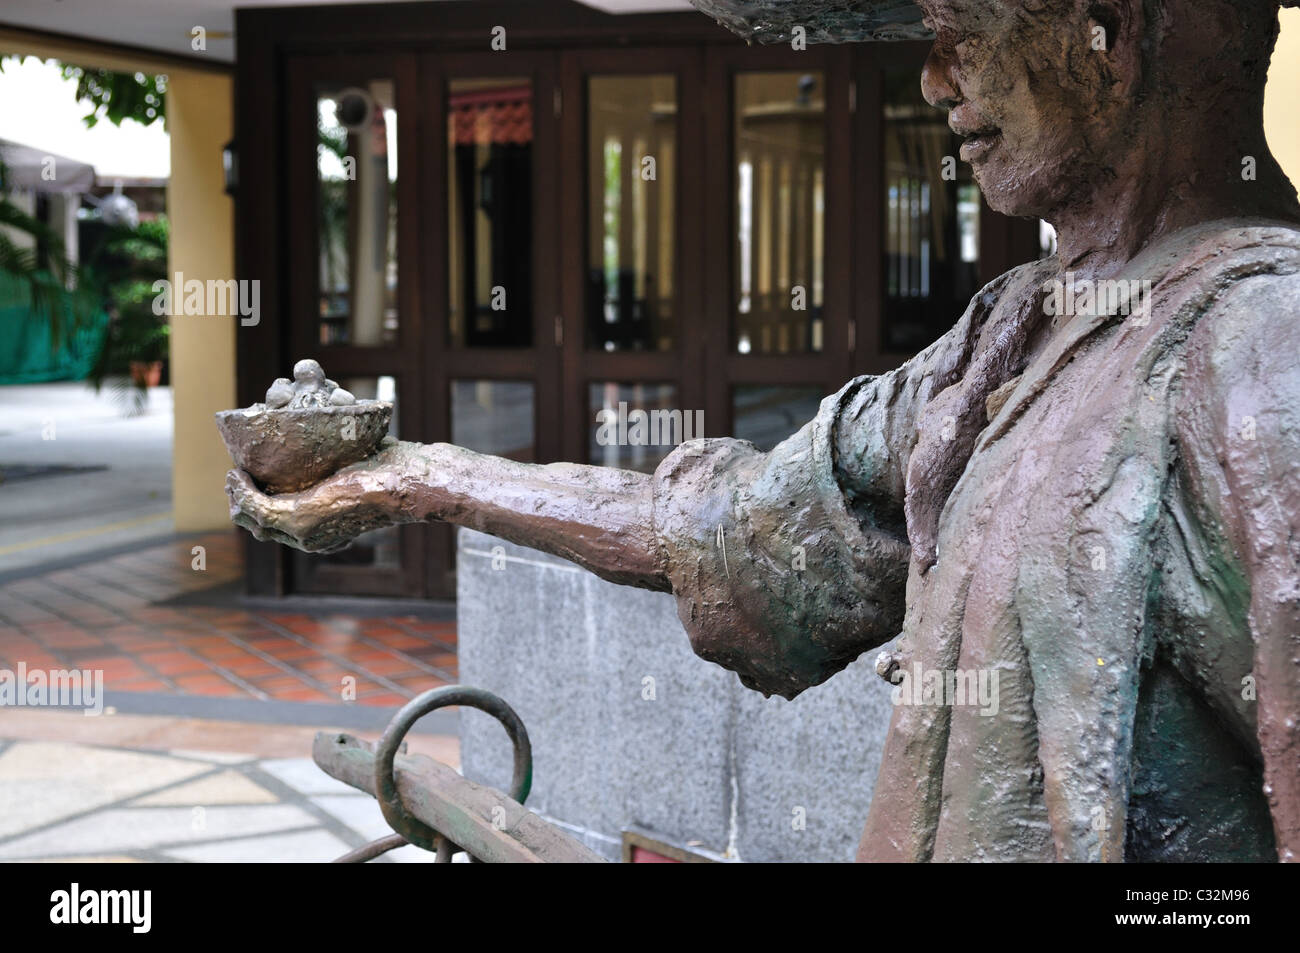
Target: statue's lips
(978,145)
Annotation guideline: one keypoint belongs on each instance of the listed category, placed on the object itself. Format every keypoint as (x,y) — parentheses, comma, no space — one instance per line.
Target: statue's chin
(1009,206)
(1012,192)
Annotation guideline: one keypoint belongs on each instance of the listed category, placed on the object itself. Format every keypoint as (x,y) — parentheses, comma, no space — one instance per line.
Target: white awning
(28,168)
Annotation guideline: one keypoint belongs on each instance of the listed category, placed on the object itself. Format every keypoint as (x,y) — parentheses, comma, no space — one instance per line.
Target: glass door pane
(494,417)
(356,214)
(932,219)
(780,212)
(490,212)
(631,212)
(765,415)
(634,426)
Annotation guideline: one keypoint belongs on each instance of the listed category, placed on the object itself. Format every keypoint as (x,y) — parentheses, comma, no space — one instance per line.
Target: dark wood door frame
(305,73)
(443,362)
(421,45)
(683,366)
(830,367)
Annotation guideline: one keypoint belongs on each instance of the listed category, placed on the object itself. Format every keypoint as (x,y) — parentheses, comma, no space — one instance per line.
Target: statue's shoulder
(1244,342)
(1251,271)
(1233,249)
(1232,283)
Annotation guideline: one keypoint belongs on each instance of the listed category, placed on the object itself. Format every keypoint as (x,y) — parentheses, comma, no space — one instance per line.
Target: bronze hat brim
(824,21)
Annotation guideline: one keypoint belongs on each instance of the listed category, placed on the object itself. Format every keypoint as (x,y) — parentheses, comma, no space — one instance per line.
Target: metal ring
(372,850)
(390,803)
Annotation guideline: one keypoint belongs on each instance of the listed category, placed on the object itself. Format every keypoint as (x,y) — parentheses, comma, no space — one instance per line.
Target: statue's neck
(1163,191)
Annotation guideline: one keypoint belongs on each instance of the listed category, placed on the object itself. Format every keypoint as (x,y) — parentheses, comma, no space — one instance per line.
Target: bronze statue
(1090,486)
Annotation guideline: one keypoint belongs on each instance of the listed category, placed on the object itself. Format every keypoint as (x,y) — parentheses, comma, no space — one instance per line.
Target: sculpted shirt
(1109,529)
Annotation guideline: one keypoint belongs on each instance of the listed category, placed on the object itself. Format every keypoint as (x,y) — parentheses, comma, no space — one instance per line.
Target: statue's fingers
(239,483)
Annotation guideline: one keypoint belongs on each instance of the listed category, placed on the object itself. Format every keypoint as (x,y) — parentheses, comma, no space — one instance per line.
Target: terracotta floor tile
(304,694)
(207,685)
(140,685)
(275,685)
(114,668)
(323,666)
(400,640)
(173,663)
(419,683)
(365,686)
(388,666)
(104,615)
(250,666)
(384,701)
(71,640)
(223,653)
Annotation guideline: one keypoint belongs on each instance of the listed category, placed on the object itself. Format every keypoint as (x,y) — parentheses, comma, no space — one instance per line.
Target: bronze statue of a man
(1094,496)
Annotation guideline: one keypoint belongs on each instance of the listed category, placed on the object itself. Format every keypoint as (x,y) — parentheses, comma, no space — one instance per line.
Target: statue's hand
(323,518)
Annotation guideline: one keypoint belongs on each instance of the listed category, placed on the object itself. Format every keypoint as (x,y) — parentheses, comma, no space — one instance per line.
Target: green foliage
(332,210)
(125,265)
(119,96)
(119,274)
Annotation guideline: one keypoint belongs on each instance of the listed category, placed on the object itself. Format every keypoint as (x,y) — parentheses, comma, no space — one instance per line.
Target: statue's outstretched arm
(779,575)
(786,565)
(600,518)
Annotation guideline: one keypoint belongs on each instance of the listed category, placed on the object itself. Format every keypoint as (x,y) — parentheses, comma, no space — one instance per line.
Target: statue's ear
(1116,28)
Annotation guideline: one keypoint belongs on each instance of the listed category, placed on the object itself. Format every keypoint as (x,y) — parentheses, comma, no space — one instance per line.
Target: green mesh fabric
(28,354)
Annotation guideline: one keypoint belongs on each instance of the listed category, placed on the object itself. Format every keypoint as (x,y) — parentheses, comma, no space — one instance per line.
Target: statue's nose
(939,78)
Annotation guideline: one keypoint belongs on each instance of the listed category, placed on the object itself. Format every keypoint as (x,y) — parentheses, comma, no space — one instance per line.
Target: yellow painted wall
(200,118)
(1281,110)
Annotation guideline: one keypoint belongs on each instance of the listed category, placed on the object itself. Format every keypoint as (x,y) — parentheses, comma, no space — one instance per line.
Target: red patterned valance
(501,116)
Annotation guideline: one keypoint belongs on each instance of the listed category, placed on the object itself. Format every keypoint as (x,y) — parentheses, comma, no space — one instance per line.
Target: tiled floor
(104,614)
(123,804)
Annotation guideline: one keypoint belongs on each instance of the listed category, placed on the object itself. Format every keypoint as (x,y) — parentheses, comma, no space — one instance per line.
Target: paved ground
(130,788)
(140,618)
(202,753)
(78,475)
(226,775)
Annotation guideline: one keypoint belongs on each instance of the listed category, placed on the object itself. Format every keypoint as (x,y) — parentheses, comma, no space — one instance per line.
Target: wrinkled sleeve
(790,564)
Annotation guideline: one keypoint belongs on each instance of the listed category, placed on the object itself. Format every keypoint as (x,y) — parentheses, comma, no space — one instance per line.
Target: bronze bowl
(290,449)
(825,21)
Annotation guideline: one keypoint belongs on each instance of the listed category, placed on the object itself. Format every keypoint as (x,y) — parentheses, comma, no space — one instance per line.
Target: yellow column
(1280,122)
(200,121)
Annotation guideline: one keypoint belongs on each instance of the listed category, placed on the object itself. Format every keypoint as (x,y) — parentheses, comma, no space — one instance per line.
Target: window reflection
(489,212)
(494,417)
(634,426)
(631,207)
(932,219)
(780,182)
(767,415)
(356,164)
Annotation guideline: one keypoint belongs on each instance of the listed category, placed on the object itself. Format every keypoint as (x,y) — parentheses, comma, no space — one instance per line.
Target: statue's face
(1024,85)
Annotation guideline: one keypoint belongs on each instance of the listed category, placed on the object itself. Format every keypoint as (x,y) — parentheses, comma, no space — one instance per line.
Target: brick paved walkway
(105,614)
